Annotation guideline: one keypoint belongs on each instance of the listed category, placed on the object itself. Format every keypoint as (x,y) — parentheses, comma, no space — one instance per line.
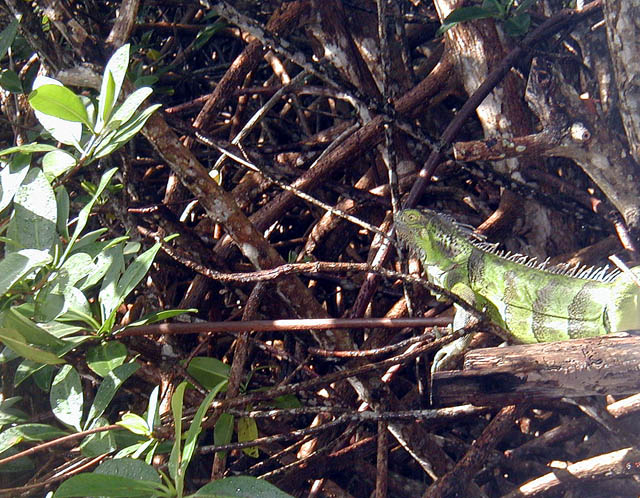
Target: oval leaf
(59,102)
(248,431)
(56,163)
(129,107)
(62,130)
(66,397)
(83,485)
(108,388)
(241,487)
(13,340)
(114,74)
(35,212)
(128,467)
(135,423)
(208,371)
(17,264)
(105,357)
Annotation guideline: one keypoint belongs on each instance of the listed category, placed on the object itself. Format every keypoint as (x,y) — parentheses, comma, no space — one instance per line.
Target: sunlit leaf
(66,397)
(248,431)
(12,339)
(35,212)
(240,487)
(17,265)
(114,74)
(62,130)
(135,423)
(60,102)
(108,388)
(111,486)
(105,357)
(57,163)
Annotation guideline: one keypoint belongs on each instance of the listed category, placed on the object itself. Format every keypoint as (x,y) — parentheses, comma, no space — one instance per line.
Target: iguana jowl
(531,302)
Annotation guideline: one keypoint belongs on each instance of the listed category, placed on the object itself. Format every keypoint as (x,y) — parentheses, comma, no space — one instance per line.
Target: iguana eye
(413,216)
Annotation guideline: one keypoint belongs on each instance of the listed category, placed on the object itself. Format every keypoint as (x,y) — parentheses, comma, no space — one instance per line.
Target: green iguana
(530,301)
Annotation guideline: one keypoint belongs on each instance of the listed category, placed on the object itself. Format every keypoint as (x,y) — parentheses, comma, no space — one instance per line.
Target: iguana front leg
(446,356)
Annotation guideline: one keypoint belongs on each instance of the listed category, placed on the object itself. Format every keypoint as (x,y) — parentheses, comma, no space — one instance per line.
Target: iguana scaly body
(531,302)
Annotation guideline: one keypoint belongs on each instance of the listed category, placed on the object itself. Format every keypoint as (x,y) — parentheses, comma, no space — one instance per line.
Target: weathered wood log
(582,367)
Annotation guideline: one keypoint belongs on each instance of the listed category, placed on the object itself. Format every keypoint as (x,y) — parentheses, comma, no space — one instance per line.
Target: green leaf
(35,212)
(90,244)
(194,429)
(28,368)
(125,133)
(10,414)
(23,465)
(107,296)
(105,357)
(62,203)
(148,80)
(42,377)
(98,443)
(175,468)
(60,293)
(64,131)
(59,102)
(13,340)
(240,487)
(517,25)
(7,36)
(56,163)
(49,306)
(105,101)
(135,423)
(108,388)
(159,316)
(248,431)
(127,467)
(76,267)
(129,280)
(208,371)
(114,74)
(28,432)
(129,107)
(466,14)
(101,265)
(10,81)
(28,148)
(205,34)
(32,333)
(17,265)
(83,485)
(12,175)
(223,430)
(500,7)
(83,215)
(136,271)
(66,397)
(153,408)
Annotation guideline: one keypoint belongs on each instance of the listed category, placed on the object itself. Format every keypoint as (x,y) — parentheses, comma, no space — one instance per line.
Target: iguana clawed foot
(445,358)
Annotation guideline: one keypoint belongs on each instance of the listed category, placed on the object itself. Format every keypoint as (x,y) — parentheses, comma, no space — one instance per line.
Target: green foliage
(513,15)
(63,114)
(124,477)
(51,270)
(62,286)
(240,486)
(208,371)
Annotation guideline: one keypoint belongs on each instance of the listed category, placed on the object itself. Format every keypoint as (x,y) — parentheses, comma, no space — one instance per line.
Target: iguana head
(435,236)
